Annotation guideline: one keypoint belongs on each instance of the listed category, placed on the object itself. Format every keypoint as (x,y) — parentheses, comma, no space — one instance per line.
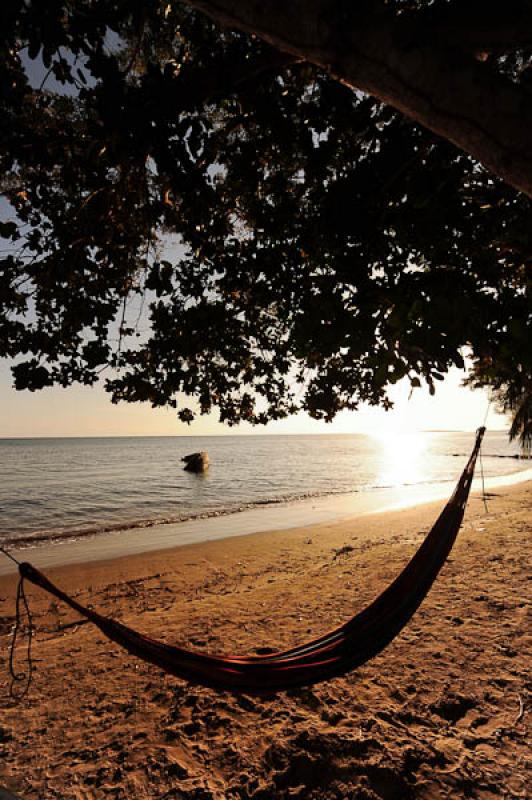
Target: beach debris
(196,462)
(521,713)
(342,551)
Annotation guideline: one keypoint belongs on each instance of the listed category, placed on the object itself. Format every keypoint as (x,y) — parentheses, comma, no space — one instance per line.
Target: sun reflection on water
(403,457)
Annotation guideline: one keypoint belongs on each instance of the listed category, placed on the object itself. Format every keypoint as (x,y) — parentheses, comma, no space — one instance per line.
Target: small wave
(39,538)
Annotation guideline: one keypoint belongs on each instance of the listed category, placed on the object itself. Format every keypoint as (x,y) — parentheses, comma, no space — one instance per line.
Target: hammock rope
(328,656)
(21,681)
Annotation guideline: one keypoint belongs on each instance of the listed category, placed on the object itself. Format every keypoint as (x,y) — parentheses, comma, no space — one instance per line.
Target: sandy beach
(441,713)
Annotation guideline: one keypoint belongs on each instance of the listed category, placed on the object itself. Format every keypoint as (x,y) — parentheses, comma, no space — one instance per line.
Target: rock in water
(196,462)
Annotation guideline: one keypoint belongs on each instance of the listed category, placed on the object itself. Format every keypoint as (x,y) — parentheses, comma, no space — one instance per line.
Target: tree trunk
(438,84)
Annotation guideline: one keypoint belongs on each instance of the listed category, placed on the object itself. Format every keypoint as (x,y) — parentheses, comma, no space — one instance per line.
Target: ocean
(66,489)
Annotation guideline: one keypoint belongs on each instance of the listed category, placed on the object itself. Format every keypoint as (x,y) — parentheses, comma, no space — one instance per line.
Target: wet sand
(441,713)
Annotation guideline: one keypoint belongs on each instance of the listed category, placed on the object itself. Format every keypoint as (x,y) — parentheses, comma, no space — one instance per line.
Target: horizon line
(222,435)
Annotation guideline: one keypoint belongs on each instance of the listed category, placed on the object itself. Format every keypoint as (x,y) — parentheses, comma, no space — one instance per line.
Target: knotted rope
(17,691)
(484,495)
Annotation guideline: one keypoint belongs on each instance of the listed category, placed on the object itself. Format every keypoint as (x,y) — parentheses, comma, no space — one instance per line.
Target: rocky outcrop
(196,462)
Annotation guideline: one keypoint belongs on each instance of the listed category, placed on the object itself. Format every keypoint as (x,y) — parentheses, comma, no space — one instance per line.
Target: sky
(88,411)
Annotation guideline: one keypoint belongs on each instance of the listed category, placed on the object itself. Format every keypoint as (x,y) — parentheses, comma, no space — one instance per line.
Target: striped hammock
(328,656)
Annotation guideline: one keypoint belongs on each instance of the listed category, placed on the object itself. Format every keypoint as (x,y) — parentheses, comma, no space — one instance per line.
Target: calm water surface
(73,487)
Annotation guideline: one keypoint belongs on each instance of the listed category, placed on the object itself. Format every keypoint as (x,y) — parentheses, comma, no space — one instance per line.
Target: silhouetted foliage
(510,387)
(211,218)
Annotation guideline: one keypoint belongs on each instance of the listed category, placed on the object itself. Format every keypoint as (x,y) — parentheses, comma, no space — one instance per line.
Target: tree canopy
(192,211)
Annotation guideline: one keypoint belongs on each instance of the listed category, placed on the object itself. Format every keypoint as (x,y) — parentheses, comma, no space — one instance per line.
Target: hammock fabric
(329,656)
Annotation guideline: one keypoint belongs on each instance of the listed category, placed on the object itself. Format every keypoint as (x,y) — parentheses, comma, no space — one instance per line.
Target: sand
(441,713)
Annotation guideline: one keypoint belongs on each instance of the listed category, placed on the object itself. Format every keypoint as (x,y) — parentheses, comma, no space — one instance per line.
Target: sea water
(66,489)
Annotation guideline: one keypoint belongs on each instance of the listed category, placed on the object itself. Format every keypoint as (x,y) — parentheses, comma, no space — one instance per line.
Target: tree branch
(476,25)
(461,99)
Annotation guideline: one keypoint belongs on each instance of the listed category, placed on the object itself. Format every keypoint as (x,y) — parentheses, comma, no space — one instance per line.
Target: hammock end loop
(18,677)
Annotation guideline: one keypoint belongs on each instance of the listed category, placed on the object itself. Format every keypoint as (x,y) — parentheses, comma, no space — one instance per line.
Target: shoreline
(441,713)
(122,542)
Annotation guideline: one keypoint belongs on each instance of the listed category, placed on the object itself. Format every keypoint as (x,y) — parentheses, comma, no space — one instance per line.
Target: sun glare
(402,456)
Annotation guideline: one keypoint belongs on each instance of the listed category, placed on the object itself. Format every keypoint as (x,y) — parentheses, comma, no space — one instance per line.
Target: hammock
(328,656)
